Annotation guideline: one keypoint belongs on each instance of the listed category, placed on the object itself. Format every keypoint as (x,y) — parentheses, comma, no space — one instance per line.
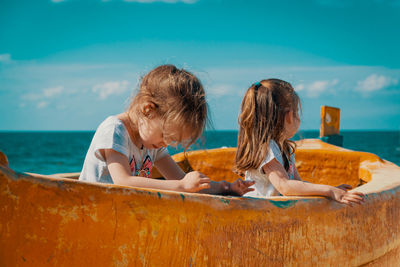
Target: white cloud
(5,58)
(50,92)
(299,87)
(109,88)
(375,82)
(46,93)
(42,104)
(42,98)
(220,90)
(31,96)
(316,88)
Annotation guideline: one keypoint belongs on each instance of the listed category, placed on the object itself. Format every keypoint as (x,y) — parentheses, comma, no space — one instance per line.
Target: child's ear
(148,109)
(289,117)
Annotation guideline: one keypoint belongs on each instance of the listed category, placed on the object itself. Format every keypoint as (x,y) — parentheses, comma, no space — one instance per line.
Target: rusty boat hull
(55,221)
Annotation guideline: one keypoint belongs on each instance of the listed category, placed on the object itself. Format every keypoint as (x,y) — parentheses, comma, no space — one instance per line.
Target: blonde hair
(262,118)
(179,100)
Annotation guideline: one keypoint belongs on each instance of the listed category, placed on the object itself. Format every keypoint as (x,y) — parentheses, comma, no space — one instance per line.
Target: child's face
(292,124)
(153,137)
(150,133)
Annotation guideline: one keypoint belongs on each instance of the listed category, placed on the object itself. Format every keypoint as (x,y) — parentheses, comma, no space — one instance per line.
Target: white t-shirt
(263,186)
(112,134)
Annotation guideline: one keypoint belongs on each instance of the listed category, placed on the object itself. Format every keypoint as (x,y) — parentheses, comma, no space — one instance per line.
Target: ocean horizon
(49,152)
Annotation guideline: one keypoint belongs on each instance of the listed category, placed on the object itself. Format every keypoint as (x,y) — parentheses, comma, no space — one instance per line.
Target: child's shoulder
(111,125)
(110,122)
(273,152)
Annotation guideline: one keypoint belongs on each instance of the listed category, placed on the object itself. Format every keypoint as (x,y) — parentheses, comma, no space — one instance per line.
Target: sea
(62,152)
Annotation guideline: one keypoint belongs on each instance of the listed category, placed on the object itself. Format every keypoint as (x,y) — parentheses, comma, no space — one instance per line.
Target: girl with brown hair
(169,109)
(269,118)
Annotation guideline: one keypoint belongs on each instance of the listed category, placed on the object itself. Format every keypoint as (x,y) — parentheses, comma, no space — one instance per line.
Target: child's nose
(163,144)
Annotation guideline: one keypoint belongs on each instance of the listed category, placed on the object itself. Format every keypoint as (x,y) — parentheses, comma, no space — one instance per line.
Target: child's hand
(344,197)
(195,181)
(240,187)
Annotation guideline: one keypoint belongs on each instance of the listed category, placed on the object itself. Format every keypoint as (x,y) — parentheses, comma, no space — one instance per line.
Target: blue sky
(67,65)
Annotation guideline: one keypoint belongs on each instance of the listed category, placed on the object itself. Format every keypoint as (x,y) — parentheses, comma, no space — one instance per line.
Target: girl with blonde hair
(169,109)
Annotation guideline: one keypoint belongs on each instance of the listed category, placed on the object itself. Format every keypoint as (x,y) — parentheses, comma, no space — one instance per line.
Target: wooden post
(330,125)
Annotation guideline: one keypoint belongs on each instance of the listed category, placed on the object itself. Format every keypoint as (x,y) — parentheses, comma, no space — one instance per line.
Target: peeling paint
(224,200)
(82,224)
(283,204)
(121,259)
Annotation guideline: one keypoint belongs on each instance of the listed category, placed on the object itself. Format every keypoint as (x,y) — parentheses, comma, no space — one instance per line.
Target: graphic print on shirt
(291,170)
(145,170)
(132,165)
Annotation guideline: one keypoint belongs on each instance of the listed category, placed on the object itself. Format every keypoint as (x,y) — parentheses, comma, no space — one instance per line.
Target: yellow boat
(58,221)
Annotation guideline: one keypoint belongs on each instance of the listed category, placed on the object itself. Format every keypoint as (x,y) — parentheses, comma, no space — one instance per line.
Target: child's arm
(278,177)
(118,166)
(171,171)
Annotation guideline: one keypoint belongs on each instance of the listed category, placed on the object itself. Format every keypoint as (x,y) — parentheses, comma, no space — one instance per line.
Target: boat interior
(316,162)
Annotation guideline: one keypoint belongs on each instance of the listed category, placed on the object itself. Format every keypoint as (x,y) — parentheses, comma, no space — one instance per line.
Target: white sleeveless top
(263,187)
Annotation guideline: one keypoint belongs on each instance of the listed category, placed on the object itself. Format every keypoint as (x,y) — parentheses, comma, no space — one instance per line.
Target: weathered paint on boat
(47,221)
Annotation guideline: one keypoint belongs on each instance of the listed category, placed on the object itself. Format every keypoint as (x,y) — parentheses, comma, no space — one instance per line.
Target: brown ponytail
(262,118)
